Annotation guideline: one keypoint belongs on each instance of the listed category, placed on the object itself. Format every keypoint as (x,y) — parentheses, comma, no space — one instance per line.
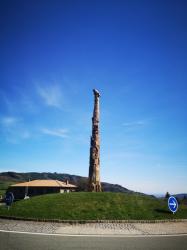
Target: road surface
(30,241)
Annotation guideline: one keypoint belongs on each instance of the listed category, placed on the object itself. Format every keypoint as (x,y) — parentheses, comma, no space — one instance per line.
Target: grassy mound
(4,186)
(91,206)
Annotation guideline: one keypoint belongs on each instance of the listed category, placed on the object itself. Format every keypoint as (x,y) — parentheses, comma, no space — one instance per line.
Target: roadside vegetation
(4,186)
(93,206)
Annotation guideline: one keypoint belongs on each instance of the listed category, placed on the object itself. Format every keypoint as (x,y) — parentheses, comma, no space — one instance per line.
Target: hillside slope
(93,206)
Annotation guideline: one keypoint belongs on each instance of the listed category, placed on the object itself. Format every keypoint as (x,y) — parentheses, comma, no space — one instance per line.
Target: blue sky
(53,53)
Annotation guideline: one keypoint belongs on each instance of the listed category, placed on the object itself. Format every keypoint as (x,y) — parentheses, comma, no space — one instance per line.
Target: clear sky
(53,53)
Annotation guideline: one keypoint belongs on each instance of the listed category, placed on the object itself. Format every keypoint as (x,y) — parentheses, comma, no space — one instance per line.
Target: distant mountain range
(80,181)
(181,196)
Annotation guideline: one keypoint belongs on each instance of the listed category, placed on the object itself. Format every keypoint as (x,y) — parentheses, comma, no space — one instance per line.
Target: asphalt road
(17,241)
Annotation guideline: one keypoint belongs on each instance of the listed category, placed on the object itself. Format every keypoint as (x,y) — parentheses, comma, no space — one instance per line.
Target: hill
(7,178)
(181,196)
(92,206)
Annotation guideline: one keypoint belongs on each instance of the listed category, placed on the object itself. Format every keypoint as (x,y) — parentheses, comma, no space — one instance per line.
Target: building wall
(20,192)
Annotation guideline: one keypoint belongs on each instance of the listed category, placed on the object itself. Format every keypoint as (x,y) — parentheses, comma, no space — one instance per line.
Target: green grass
(4,186)
(90,206)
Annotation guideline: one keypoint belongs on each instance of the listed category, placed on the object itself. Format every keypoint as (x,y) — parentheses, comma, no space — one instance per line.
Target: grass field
(88,206)
(3,186)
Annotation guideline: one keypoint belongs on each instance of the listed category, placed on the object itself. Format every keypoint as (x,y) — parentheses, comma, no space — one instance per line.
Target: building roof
(44,183)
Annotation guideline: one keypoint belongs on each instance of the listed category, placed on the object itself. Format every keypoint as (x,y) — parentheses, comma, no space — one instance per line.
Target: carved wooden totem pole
(94,184)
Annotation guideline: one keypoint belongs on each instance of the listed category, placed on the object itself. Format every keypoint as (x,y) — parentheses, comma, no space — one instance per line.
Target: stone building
(40,187)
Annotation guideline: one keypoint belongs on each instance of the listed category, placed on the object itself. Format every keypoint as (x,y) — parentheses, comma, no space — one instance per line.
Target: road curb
(90,221)
(97,235)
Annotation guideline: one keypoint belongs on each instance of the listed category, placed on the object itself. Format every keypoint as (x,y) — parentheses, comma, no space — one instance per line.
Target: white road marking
(95,235)
(173,204)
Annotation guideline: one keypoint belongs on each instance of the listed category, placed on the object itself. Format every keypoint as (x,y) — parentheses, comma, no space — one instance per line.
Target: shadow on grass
(163,211)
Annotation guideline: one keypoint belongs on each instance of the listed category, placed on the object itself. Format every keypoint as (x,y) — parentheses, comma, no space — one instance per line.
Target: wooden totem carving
(94,184)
